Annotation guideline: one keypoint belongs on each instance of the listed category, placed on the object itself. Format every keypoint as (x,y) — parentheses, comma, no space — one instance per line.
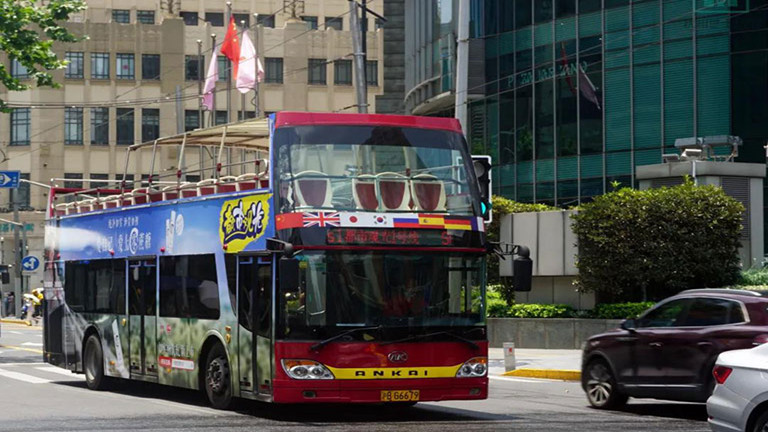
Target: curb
(554,374)
(15,321)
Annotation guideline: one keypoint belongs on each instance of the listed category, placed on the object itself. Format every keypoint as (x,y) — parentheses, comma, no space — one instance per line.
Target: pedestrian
(11,311)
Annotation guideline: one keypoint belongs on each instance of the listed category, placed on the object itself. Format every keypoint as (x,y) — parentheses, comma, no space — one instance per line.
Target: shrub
(620,310)
(753,277)
(540,311)
(502,206)
(647,245)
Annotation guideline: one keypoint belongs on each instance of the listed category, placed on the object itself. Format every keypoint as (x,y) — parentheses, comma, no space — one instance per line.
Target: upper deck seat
(112,201)
(226,184)
(188,190)
(170,193)
(70,208)
(126,199)
(312,189)
(60,209)
(86,205)
(141,195)
(428,192)
(395,191)
(247,181)
(206,187)
(364,192)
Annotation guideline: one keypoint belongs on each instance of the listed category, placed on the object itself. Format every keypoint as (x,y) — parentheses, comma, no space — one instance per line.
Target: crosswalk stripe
(23,377)
(57,370)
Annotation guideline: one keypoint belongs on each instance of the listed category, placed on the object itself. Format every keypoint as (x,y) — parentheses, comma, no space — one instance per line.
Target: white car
(740,400)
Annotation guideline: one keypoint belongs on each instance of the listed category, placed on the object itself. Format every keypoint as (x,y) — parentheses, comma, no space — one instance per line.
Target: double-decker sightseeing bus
(328,258)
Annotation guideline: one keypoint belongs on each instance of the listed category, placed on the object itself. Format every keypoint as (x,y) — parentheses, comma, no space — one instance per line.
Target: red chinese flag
(231,46)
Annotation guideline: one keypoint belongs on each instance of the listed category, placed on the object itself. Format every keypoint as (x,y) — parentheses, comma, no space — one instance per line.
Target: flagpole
(256,47)
(212,115)
(200,74)
(242,95)
(229,71)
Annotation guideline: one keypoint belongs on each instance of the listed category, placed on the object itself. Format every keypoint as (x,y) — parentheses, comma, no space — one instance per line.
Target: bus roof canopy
(249,134)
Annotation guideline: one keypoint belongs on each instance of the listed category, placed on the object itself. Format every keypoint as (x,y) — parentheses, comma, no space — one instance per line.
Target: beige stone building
(135,78)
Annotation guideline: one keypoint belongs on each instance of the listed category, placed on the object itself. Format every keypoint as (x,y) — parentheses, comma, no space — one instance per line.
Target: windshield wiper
(325,342)
(440,333)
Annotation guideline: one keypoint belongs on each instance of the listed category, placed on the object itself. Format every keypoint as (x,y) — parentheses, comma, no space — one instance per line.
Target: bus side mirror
(289,275)
(522,270)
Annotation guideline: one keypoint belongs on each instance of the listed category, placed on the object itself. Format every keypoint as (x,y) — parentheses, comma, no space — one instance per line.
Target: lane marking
(13,332)
(21,364)
(22,348)
(59,371)
(23,377)
(32,344)
(537,381)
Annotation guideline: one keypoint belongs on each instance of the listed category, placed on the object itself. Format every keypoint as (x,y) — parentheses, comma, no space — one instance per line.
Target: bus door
(255,316)
(142,298)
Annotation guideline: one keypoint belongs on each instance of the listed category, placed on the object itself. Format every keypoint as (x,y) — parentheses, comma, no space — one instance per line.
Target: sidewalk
(557,364)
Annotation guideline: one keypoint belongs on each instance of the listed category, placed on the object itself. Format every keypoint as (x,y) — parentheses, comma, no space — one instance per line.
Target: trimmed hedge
(497,308)
(651,244)
(620,310)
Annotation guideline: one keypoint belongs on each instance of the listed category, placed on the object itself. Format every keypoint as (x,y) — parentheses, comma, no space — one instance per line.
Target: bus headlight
(473,368)
(306,370)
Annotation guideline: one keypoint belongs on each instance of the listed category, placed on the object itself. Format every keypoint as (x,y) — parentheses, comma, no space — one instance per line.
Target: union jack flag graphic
(321,219)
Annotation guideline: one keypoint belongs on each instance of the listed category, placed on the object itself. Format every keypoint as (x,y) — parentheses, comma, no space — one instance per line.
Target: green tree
(28,30)
(646,245)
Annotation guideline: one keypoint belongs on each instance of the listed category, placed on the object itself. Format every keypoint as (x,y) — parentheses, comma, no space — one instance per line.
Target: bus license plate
(399,395)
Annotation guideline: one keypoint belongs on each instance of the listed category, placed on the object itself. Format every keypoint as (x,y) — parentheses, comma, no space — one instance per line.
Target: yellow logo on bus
(242,221)
(395,373)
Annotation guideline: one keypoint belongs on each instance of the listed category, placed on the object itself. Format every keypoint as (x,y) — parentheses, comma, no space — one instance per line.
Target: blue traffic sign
(9,179)
(30,263)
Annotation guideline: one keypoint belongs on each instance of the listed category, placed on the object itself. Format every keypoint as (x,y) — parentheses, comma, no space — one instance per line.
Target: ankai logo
(242,223)
(398,357)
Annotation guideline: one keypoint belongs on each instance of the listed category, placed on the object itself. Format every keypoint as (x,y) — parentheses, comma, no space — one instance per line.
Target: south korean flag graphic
(365,220)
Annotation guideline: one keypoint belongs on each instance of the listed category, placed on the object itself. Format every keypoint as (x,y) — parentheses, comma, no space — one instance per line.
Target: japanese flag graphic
(365,220)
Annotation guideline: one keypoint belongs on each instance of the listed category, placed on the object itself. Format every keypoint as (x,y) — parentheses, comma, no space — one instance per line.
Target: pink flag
(246,70)
(588,89)
(210,83)
(259,70)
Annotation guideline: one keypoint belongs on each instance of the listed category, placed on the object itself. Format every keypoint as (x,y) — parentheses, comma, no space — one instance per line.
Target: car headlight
(473,368)
(306,370)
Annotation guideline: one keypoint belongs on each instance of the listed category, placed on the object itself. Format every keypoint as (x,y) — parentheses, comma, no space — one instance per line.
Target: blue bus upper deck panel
(233,223)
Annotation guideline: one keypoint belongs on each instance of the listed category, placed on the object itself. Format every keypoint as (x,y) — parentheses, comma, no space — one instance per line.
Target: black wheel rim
(599,386)
(216,375)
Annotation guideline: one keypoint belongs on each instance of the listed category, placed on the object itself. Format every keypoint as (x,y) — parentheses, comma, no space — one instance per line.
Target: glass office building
(578,93)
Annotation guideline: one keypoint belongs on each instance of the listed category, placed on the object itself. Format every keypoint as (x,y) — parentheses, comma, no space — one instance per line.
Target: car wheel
(761,425)
(601,388)
(93,364)
(218,382)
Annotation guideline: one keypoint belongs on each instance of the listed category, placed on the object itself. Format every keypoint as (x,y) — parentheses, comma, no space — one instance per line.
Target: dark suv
(668,352)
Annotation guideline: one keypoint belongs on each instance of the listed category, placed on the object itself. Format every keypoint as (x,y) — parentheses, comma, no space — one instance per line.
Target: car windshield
(343,290)
(367,168)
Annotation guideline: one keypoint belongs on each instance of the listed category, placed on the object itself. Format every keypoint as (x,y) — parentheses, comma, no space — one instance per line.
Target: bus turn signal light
(721,373)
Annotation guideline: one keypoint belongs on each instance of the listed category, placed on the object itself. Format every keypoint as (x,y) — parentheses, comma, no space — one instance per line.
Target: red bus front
(389,303)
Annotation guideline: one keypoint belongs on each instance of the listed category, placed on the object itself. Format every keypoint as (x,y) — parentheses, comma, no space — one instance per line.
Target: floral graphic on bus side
(242,221)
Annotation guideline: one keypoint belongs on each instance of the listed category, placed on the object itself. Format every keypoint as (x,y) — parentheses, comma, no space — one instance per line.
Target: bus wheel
(218,383)
(93,364)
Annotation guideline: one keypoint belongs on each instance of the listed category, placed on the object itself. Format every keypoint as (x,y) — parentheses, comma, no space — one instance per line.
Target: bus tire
(217,379)
(93,364)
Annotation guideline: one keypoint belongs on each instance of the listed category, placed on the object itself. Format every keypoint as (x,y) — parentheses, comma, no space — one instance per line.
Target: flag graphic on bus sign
(242,221)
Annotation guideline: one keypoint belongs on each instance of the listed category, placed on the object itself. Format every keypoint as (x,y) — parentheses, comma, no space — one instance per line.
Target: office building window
(311,22)
(191,120)
(372,72)
(150,66)
(317,71)
(273,70)
(20,120)
(124,68)
(221,117)
(191,68)
(103,180)
(125,125)
(100,126)
(215,19)
(75,64)
(334,23)
(73,180)
(190,18)
(248,115)
(21,194)
(18,71)
(342,72)
(73,126)
(145,16)
(222,65)
(241,18)
(150,124)
(266,21)
(122,16)
(100,65)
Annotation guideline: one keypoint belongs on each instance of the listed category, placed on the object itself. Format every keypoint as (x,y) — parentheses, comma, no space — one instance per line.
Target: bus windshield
(374,168)
(343,290)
